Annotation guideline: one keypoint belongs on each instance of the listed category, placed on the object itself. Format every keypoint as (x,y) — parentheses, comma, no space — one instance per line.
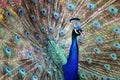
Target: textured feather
(35,38)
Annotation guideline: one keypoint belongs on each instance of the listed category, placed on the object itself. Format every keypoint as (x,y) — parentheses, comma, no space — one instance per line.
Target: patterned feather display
(36,37)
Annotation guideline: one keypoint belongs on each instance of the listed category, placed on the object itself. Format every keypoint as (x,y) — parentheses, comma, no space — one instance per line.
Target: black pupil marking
(96,50)
(101,78)
(21,11)
(113,56)
(43,11)
(18,37)
(116,29)
(90,6)
(70,6)
(35,77)
(99,39)
(8,69)
(33,17)
(50,29)
(8,14)
(116,44)
(22,70)
(112,9)
(8,49)
(106,66)
(55,15)
(95,23)
(27,33)
(29,54)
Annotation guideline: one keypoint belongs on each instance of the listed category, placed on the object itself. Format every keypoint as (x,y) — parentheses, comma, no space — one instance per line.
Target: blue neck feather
(70,69)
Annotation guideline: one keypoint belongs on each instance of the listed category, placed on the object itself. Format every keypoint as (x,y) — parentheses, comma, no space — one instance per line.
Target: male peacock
(35,38)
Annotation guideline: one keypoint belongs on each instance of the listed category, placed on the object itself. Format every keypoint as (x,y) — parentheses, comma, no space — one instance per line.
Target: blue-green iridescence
(116,45)
(116,30)
(97,50)
(34,77)
(113,10)
(71,6)
(22,71)
(113,56)
(96,24)
(17,37)
(8,70)
(99,40)
(7,51)
(56,15)
(91,6)
(44,11)
(107,66)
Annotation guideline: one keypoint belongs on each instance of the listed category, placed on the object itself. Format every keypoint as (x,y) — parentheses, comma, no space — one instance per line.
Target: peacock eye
(39,64)
(107,78)
(37,36)
(91,6)
(99,40)
(62,32)
(96,24)
(34,1)
(44,11)
(22,71)
(116,45)
(21,11)
(89,60)
(113,10)
(8,14)
(34,77)
(49,1)
(8,70)
(36,49)
(27,33)
(97,50)
(101,78)
(64,44)
(51,29)
(116,30)
(17,38)
(71,6)
(8,51)
(48,71)
(107,66)
(29,54)
(82,75)
(33,18)
(45,58)
(95,75)
(56,15)
(113,56)
(43,29)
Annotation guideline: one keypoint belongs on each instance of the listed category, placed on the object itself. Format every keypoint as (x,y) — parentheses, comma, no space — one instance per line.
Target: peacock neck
(71,68)
(73,55)
(74,38)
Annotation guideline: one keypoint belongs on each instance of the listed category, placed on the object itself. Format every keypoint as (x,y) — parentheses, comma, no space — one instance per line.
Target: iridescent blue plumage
(70,69)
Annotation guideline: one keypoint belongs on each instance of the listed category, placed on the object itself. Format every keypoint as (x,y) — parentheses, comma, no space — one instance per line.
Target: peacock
(59,39)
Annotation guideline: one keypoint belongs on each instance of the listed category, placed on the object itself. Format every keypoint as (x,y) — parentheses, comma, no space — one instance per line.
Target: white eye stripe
(79,32)
(76,31)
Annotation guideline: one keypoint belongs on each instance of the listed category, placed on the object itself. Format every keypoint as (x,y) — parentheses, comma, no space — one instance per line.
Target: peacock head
(77,31)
